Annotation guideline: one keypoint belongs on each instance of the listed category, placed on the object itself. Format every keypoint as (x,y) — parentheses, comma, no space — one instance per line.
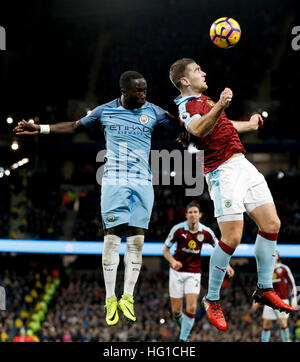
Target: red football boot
(270,298)
(214,313)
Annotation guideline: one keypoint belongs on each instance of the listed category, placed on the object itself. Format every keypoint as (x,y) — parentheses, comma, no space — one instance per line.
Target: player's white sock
(110,262)
(132,261)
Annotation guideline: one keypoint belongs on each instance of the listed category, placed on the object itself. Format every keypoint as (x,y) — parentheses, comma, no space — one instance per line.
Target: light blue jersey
(128,137)
(127,191)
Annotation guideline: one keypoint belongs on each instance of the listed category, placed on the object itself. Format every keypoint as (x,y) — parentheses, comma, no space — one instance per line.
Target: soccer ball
(225,32)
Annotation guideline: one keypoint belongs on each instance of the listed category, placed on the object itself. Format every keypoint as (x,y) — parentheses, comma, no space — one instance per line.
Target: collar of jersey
(186,227)
(181,99)
(135,109)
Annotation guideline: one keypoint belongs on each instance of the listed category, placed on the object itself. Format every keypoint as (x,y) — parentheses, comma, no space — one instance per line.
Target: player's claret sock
(187,322)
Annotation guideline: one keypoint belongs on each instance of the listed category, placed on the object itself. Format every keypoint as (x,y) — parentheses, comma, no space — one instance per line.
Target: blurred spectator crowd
(76,312)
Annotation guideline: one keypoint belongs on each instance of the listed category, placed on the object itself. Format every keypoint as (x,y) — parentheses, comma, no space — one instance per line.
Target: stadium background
(64,58)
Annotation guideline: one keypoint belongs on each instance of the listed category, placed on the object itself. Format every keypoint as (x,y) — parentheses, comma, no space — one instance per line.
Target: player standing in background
(284,285)
(127,192)
(234,184)
(185,266)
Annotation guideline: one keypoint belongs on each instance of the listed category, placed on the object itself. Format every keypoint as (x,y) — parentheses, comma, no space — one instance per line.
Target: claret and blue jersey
(189,244)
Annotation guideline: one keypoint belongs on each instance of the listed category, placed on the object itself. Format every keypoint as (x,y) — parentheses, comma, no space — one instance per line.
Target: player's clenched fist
(255,121)
(225,97)
(27,128)
(176,265)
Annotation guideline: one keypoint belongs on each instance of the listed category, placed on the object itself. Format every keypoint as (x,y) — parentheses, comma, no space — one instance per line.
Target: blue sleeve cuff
(86,122)
(168,243)
(188,121)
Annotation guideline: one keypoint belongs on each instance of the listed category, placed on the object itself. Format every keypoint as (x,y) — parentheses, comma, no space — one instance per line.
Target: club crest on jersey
(200,237)
(227,203)
(110,218)
(144,119)
(279,270)
(192,244)
(184,116)
(211,103)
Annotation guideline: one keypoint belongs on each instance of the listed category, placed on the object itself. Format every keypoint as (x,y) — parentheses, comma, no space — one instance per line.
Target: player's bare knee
(275,225)
(191,309)
(176,313)
(283,323)
(272,226)
(132,230)
(232,240)
(267,324)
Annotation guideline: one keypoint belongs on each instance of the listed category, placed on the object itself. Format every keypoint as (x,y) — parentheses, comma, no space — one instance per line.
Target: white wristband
(44,128)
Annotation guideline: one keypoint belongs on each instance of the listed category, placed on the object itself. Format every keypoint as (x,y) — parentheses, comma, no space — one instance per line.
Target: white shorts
(271,314)
(237,186)
(181,283)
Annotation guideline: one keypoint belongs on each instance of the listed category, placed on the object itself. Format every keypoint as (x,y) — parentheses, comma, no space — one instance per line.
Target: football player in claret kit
(285,287)
(127,191)
(234,185)
(185,266)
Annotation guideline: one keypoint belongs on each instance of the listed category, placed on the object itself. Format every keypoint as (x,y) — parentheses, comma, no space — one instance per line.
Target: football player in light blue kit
(127,192)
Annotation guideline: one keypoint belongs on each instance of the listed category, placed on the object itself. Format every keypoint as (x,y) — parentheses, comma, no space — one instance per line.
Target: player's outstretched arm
(26,128)
(201,126)
(253,124)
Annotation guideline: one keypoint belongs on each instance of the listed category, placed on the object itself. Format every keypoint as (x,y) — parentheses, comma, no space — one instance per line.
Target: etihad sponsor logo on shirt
(129,129)
(192,251)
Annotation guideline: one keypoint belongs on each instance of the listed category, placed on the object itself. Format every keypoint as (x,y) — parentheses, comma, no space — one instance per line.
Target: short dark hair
(127,77)
(177,70)
(193,204)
